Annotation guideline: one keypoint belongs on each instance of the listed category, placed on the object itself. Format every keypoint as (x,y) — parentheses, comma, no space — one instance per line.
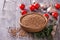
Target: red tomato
(24,12)
(57,6)
(32,8)
(56,18)
(36,5)
(22,6)
(55,14)
(46,15)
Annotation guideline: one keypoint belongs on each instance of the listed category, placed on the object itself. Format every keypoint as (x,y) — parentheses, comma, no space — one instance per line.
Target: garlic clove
(54,28)
(53,33)
(51,9)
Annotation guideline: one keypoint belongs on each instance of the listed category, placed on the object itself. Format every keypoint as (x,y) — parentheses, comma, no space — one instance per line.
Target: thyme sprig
(44,33)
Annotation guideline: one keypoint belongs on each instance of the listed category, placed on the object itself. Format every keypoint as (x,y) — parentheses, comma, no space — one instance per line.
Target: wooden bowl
(33,22)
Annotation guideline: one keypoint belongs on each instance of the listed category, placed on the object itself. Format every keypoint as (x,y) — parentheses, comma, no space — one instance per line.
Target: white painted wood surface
(9,17)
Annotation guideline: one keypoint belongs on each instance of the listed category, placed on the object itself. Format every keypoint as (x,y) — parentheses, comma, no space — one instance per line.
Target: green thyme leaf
(45,33)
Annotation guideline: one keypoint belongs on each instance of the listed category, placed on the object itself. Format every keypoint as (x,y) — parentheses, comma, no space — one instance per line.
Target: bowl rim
(30,14)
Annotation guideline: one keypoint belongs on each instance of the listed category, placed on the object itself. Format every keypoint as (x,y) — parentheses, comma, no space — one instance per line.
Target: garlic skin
(51,9)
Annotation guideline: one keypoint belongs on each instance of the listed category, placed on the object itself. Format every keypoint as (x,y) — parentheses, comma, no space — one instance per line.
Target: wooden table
(9,17)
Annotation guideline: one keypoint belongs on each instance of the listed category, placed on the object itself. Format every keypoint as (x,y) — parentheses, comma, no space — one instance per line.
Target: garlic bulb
(34,1)
(51,9)
(43,5)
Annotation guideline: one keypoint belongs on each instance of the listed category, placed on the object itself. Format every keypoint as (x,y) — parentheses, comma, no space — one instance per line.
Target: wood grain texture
(9,17)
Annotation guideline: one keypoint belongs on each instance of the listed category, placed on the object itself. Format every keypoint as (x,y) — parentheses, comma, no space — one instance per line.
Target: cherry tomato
(57,6)
(32,8)
(46,15)
(22,6)
(24,12)
(56,18)
(37,5)
(55,14)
